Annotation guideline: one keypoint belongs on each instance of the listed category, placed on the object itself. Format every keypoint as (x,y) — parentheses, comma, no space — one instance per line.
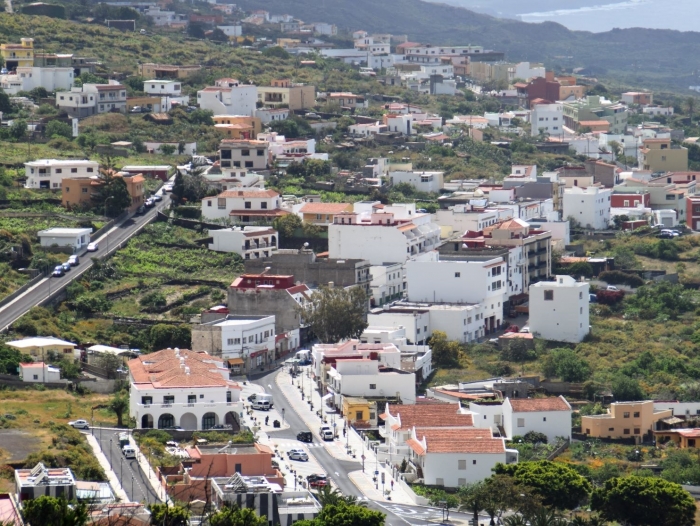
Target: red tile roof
(275,212)
(325,208)
(430,415)
(248,193)
(163,369)
(451,440)
(539,404)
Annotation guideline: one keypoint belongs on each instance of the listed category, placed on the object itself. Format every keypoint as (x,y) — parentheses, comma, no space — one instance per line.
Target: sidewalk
(150,473)
(104,464)
(341,448)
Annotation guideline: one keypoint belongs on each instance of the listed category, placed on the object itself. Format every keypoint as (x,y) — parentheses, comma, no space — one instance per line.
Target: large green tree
(567,365)
(335,313)
(446,353)
(119,404)
(59,128)
(113,196)
(52,511)
(164,515)
(557,484)
(344,514)
(644,501)
(235,516)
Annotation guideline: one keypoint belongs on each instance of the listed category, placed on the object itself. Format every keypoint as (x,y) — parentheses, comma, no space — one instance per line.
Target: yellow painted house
(238,126)
(44,348)
(18,55)
(625,420)
(360,412)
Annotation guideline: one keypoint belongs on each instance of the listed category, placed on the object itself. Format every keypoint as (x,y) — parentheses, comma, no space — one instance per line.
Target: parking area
(295,468)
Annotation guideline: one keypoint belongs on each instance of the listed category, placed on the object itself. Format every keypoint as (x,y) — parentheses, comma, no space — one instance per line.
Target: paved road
(337,470)
(127,470)
(107,243)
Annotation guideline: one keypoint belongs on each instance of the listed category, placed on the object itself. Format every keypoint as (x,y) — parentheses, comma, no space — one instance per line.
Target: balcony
(185,405)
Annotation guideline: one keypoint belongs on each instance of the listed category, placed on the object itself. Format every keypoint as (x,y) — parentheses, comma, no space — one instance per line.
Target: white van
(129,452)
(262,405)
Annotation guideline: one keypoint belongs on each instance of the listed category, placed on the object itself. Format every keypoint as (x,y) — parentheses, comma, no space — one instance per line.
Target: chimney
(187,370)
(331,284)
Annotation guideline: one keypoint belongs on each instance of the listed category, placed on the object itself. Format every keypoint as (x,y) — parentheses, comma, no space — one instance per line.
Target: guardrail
(23,288)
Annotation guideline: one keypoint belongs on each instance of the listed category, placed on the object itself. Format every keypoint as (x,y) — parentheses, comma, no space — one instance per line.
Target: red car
(512,328)
(317,481)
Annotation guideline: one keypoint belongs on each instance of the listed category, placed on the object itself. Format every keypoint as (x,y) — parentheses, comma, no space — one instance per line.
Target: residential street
(128,471)
(107,242)
(338,470)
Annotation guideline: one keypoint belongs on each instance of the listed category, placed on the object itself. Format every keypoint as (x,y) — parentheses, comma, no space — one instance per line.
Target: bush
(610,297)
(533,437)
(152,300)
(616,277)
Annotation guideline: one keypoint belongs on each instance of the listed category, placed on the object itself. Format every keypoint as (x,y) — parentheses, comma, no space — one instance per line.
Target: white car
(525,329)
(93,247)
(612,288)
(80,424)
(298,454)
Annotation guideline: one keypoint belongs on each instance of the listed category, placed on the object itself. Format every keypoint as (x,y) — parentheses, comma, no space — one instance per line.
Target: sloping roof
(248,193)
(38,342)
(325,208)
(430,415)
(451,440)
(539,404)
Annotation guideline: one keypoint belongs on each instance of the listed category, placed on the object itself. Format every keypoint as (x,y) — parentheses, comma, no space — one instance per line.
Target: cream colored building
(659,155)
(44,348)
(625,420)
(285,93)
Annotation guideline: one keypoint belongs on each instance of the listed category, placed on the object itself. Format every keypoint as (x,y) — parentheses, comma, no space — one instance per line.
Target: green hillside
(658,59)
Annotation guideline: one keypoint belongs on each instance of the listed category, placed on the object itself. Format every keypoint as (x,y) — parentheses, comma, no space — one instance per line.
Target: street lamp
(283,416)
(110,452)
(132,487)
(121,469)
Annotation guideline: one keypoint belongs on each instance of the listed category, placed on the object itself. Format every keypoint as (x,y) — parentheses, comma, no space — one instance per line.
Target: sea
(681,15)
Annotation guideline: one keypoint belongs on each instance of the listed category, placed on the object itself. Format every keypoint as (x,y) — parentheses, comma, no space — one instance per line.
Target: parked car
(593,298)
(79,424)
(326,432)
(305,436)
(93,247)
(612,288)
(157,197)
(222,426)
(74,260)
(66,266)
(58,271)
(173,428)
(512,328)
(298,454)
(525,329)
(317,481)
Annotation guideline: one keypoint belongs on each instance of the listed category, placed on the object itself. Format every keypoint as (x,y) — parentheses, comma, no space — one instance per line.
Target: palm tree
(515,520)
(690,105)
(329,496)
(546,517)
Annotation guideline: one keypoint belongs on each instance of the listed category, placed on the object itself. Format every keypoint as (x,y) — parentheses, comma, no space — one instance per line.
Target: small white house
(547,118)
(559,309)
(364,378)
(65,237)
(589,206)
(171,88)
(39,372)
(550,416)
(251,242)
(429,182)
(48,173)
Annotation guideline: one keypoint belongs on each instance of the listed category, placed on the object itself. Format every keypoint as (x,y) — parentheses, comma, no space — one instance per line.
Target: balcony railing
(180,405)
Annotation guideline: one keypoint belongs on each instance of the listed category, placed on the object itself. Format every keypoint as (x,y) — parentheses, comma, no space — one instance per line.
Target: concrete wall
(444,466)
(207,338)
(304,269)
(557,423)
(277,303)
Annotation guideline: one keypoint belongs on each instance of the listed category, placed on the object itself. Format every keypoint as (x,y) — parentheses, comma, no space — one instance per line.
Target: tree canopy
(235,516)
(567,365)
(644,501)
(164,515)
(345,514)
(557,484)
(335,313)
(113,196)
(446,353)
(52,511)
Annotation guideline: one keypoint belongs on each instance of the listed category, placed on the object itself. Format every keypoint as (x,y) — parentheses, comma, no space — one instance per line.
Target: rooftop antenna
(267,269)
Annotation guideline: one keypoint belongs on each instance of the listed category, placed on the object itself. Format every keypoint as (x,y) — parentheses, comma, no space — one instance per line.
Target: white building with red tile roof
(550,416)
(399,420)
(453,457)
(175,387)
(250,206)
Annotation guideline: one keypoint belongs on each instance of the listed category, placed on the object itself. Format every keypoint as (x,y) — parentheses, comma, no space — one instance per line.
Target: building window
(372,386)
(89,170)
(359,415)
(84,190)
(461,482)
(191,399)
(544,419)
(247,205)
(229,341)
(249,164)
(548,295)
(461,464)
(221,203)
(637,431)
(457,274)
(625,414)
(72,170)
(245,153)
(261,153)
(146,400)
(636,414)
(169,399)
(36,376)
(609,429)
(263,205)
(59,170)
(625,431)
(521,422)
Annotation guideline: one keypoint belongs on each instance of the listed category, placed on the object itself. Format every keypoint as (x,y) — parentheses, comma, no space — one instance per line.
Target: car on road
(305,436)
(157,197)
(317,481)
(612,288)
(168,188)
(129,452)
(326,432)
(79,424)
(66,266)
(74,260)
(93,247)
(58,271)
(298,454)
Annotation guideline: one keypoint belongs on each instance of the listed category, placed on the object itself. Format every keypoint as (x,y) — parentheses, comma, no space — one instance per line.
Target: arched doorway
(188,422)
(231,419)
(209,420)
(146,422)
(166,420)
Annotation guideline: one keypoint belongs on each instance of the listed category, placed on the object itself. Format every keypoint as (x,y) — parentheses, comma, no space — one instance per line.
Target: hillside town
(406,282)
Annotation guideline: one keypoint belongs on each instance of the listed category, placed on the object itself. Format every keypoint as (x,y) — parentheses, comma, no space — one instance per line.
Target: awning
(672,420)
(326,397)
(235,361)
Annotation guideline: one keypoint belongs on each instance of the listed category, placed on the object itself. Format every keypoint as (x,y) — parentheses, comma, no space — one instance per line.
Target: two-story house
(244,207)
(49,173)
(240,153)
(182,388)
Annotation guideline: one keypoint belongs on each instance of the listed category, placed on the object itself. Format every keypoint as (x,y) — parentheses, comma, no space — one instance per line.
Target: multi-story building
(49,173)
(90,99)
(77,191)
(660,155)
(171,88)
(637,97)
(430,182)
(590,206)
(382,234)
(250,154)
(269,294)
(28,78)
(559,309)
(285,93)
(388,283)
(245,341)
(536,245)
(42,481)
(267,115)
(182,388)
(364,378)
(636,420)
(456,282)
(594,108)
(547,119)
(18,55)
(238,126)
(252,206)
(229,97)
(323,214)
(428,53)
(250,242)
